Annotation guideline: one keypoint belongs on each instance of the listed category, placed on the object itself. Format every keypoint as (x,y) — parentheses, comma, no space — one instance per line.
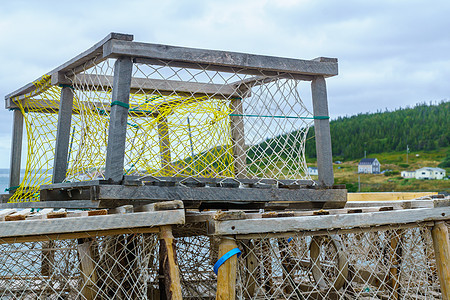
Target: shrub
(404,165)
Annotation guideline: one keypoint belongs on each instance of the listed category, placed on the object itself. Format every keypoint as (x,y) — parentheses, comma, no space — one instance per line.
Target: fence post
(16,150)
(226,276)
(63,134)
(322,131)
(441,245)
(117,134)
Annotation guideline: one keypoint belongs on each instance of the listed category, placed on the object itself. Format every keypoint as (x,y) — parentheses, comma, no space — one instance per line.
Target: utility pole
(359,183)
(407,151)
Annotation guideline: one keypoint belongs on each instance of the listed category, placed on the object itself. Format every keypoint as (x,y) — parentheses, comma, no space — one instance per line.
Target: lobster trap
(165,252)
(126,111)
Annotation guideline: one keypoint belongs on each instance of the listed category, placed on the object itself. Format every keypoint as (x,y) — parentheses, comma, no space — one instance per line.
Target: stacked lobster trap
(160,172)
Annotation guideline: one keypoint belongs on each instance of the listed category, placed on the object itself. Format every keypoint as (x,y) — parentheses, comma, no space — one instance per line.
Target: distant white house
(313,171)
(430,173)
(369,166)
(408,174)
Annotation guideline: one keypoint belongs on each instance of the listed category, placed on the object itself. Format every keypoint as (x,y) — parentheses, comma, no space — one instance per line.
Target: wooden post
(251,263)
(238,138)
(226,277)
(441,245)
(48,258)
(395,256)
(322,131)
(88,271)
(63,135)
(16,150)
(170,284)
(115,151)
(164,146)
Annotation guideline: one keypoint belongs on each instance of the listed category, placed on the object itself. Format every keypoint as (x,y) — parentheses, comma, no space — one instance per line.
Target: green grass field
(346,173)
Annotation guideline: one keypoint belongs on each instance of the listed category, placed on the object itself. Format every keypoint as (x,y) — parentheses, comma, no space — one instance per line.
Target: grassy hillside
(384,135)
(424,127)
(346,173)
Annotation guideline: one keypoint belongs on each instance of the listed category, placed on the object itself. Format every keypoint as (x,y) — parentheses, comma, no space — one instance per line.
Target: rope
(120,103)
(226,257)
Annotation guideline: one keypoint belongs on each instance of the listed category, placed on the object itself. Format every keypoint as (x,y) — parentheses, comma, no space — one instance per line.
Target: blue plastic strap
(290,239)
(225,257)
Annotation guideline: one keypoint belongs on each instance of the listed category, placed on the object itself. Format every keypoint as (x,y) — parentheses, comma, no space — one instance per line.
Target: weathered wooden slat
(157,193)
(92,223)
(213,58)
(441,247)
(78,60)
(330,221)
(165,87)
(387,196)
(16,150)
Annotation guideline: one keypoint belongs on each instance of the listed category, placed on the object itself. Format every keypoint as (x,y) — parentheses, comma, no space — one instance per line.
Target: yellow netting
(221,133)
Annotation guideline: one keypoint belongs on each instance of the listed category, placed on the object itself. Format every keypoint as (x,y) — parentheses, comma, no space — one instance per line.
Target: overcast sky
(391,53)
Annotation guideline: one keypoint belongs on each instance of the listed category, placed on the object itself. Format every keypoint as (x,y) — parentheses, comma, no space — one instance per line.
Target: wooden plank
(226,277)
(16,150)
(72,204)
(441,245)
(115,151)
(169,272)
(60,161)
(158,86)
(77,235)
(400,204)
(164,145)
(322,132)
(89,275)
(388,196)
(330,221)
(92,223)
(78,60)
(213,58)
(238,138)
(6,212)
(157,193)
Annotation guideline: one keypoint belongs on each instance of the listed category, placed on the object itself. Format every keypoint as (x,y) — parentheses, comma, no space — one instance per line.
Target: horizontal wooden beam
(84,57)
(77,235)
(194,58)
(328,222)
(89,224)
(159,86)
(388,196)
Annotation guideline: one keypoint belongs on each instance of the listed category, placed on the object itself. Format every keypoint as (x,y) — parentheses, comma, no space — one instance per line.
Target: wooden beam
(158,86)
(60,162)
(16,150)
(328,222)
(78,60)
(115,151)
(226,276)
(91,223)
(388,196)
(120,192)
(322,131)
(170,283)
(238,138)
(164,145)
(89,277)
(195,57)
(441,244)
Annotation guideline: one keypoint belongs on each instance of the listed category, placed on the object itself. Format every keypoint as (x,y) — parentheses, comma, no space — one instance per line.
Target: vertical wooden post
(226,277)
(115,151)
(16,150)
(170,284)
(322,131)
(238,138)
(63,135)
(395,255)
(441,245)
(164,145)
(88,271)
(48,258)
(251,263)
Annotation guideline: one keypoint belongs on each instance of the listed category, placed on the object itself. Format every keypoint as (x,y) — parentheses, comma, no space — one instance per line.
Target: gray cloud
(391,53)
